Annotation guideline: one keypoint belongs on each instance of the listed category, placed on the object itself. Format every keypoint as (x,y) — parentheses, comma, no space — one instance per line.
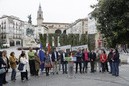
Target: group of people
(41,60)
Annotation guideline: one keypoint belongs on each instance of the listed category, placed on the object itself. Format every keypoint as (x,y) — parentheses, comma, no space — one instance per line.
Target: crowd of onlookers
(55,61)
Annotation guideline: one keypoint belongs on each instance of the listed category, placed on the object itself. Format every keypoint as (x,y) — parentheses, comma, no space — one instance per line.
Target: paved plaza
(89,79)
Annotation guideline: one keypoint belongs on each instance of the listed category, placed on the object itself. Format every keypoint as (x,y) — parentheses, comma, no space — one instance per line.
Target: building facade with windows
(80,26)
(11,28)
(92,30)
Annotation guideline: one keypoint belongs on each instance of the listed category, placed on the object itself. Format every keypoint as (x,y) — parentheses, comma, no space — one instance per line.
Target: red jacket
(103,58)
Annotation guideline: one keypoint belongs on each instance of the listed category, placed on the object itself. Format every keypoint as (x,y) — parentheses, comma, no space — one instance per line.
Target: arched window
(58,31)
(64,32)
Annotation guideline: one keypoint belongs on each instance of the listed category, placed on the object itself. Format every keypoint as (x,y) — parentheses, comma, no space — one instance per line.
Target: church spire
(40,8)
(40,15)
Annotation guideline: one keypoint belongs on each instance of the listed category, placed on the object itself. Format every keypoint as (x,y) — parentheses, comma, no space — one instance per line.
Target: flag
(41,46)
(49,48)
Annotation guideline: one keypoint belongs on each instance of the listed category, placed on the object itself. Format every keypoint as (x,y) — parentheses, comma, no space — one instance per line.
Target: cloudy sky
(53,10)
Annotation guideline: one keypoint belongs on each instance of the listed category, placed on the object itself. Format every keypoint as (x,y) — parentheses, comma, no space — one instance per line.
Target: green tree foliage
(112,17)
(43,39)
(91,41)
(83,39)
(64,39)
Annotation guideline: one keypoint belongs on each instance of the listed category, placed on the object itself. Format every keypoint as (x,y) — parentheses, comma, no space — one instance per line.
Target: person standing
(85,60)
(79,60)
(92,57)
(55,59)
(1,64)
(41,55)
(7,66)
(48,63)
(70,66)
(110,57)
(13,64)
(115,63)
(98,63)
(23,60)
(37,64)
(32,62)
(64,62)
(103,60)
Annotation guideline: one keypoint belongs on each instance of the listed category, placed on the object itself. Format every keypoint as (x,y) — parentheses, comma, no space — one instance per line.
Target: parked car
(5,45)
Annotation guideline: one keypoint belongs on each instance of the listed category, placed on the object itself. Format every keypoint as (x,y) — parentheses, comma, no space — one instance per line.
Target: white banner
(63,47)
(75,48)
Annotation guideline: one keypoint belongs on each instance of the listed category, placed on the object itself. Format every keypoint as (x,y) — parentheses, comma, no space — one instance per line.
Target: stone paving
(89,79)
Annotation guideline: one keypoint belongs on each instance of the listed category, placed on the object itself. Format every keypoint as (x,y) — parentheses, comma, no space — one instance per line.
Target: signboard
(63,47)
(70,59)
(75,48)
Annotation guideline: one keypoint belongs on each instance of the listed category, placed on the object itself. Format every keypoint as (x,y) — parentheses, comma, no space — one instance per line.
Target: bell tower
(40,16)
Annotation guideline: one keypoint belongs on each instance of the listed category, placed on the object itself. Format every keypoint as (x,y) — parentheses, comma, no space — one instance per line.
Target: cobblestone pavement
(89,79)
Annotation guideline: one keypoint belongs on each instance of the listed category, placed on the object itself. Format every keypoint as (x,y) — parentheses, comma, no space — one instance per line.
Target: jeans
(13,75)
(85,64)
(110,64)
(64,67)
(115,68)
(80,66)
(1,79)
(92,66)
(42,67)
(32,67)
(47,71)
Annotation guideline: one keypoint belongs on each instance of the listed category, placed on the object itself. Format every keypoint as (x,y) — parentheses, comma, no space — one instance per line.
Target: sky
(64,11)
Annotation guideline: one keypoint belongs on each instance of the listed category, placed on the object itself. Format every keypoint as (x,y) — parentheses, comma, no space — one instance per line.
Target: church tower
(40,16)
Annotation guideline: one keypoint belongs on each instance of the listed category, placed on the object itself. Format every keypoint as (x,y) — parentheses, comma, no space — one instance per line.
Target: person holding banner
(79,60)
(70,65)
(64,62)
(85,60)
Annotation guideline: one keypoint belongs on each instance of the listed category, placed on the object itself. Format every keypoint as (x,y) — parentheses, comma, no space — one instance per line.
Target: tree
(91,41)
(43,39)
(83,40)
(112,18)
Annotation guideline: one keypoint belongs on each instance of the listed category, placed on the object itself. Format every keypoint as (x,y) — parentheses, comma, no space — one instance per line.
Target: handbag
(48,65)
(2,71)
(20,66)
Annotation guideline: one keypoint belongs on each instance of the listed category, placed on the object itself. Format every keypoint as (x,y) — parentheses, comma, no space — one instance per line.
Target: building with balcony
(11,28)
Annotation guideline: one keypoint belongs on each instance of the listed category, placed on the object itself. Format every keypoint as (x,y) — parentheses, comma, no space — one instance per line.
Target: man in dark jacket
(55,59)
(64,62)
(92,57)
(79,60)
(115,63)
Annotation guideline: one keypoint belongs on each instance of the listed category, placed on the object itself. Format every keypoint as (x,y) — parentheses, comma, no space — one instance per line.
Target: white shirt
(55,56)
(64,56)
(24,61)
